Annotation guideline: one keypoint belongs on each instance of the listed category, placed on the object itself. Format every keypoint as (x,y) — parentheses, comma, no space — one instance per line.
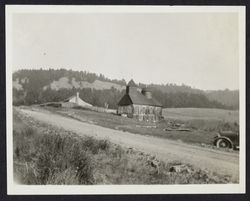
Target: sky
(196,49)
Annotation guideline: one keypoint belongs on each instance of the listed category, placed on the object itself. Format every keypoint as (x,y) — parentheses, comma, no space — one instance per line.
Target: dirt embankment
(167,150)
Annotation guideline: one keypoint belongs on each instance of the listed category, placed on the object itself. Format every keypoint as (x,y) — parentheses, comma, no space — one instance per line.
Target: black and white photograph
(125,99)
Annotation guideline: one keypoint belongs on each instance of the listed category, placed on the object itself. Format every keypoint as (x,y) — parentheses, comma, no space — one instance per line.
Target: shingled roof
(136,97)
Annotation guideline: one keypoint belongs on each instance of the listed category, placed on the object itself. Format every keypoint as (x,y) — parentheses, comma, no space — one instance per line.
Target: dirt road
(224,163)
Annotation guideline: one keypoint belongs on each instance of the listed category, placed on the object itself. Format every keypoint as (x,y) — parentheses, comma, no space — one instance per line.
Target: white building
(75,100)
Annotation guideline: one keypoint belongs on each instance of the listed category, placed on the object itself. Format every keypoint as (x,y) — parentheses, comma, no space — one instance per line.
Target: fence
(101,109)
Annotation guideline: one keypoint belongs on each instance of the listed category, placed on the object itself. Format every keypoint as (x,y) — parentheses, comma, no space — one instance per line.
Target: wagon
(227,139)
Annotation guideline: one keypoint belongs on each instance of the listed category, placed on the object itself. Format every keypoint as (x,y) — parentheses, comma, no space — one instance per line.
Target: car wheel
(223,143)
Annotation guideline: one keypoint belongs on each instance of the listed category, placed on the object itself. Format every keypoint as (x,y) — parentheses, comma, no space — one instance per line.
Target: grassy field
(202,124)
(48,155)
(206,114)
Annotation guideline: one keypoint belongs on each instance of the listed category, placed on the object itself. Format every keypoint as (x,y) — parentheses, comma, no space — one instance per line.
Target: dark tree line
(92,96)
(184,99)
(33,82)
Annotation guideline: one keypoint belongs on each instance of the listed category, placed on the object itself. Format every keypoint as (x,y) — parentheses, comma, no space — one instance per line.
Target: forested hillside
(39,86)
(227,97)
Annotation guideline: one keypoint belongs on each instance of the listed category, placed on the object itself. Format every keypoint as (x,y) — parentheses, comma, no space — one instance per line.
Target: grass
(206,114)
(203,123)
(47,155)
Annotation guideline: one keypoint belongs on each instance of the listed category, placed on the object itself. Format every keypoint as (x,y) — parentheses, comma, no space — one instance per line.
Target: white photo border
(17,189)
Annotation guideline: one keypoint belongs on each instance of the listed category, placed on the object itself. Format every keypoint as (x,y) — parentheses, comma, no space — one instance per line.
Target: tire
(223,143)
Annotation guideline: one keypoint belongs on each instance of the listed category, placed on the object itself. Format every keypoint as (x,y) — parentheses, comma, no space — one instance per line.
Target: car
(227,139)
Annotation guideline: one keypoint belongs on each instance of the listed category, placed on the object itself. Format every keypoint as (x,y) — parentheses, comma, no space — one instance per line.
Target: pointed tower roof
(131,83)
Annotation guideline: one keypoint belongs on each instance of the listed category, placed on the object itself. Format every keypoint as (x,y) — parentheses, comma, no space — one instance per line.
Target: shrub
(84,168)
(60,153)
(93,145)
(28,131)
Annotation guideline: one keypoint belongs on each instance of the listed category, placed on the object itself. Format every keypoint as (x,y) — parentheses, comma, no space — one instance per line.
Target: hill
(227,97)
(39,86)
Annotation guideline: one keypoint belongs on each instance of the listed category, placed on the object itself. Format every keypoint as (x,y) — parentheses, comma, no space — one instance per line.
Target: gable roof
(79,102)
(125,100)
(135,97)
